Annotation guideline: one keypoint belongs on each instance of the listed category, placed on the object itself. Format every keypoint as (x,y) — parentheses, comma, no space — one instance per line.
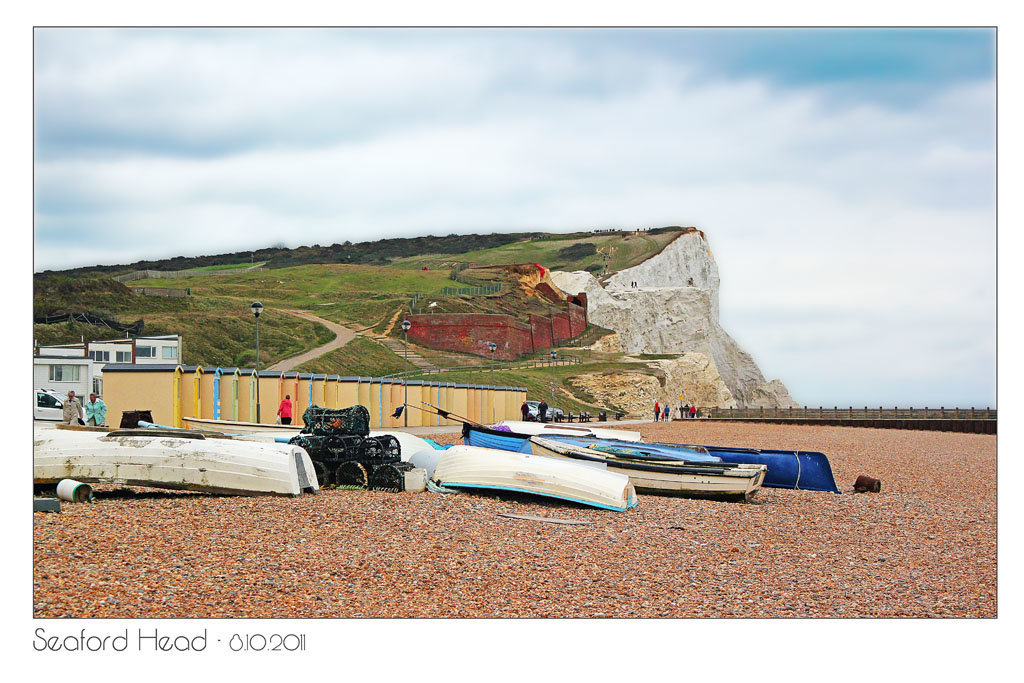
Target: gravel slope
(923,547)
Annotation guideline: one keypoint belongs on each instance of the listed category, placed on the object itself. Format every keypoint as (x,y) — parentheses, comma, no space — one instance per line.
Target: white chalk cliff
(674,309)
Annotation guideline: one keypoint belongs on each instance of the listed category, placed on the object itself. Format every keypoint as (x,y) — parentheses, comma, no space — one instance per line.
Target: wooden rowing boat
(235,427)
(541,428)
(703,479)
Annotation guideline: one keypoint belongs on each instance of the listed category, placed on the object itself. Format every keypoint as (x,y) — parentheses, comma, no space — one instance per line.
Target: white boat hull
(473,467)
(717,479)
(541,428)
(161,460)
(234,427)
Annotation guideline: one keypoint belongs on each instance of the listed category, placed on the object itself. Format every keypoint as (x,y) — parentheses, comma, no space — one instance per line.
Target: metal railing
(851,413)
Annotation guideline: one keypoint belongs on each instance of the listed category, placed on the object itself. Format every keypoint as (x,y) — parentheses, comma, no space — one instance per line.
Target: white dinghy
(236,427)
(172,460)
(484,468)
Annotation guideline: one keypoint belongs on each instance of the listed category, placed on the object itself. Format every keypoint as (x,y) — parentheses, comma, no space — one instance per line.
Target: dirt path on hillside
(345,335)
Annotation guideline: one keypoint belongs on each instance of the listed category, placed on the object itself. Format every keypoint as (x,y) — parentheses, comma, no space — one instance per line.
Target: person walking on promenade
(542,410)
(525,410)
(657,411)
(693,412)
(72,410)
(95,411)
(284,411)
(665,412)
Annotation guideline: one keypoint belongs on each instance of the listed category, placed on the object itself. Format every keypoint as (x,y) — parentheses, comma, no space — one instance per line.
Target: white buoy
(74,491)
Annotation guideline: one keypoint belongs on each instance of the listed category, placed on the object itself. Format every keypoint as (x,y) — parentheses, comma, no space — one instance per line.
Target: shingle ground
(925,546)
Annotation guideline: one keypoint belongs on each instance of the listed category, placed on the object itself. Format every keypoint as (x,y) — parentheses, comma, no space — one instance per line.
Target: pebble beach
(924,546)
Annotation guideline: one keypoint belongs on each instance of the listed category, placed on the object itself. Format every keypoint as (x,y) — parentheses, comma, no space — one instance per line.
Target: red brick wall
(541,327)
(577,319)
(560,326)
(469,333)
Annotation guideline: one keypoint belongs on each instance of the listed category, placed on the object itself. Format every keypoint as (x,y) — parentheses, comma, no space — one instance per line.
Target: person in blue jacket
(95,411)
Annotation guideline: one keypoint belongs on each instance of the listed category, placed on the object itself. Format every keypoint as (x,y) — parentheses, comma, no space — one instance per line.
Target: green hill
(363,285)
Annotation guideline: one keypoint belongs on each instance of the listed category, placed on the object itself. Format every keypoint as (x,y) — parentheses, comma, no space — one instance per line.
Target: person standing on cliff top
(657,411)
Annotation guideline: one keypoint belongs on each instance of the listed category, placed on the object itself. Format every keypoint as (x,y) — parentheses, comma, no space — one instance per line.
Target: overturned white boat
(541,428)
(700,479)
(172,459)
(483,468)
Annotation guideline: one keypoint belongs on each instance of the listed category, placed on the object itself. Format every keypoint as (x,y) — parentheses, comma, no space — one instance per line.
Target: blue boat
(484,437)
(803,470)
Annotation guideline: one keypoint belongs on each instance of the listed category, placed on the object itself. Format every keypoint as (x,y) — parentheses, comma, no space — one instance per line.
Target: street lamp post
(257,308)
(553,354)
(405,380)
(493,347)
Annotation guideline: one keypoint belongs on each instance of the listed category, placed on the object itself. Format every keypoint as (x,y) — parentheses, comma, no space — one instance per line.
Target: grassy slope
(539,381)
(216,331)
(218,328)
(623,252)
(361,357)
(361,294)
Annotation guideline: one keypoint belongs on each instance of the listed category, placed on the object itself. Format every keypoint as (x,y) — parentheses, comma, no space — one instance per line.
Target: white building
(63,374)
(158,350)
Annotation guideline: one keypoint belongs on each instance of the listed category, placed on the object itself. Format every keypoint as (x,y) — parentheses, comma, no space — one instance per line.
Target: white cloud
(868,215)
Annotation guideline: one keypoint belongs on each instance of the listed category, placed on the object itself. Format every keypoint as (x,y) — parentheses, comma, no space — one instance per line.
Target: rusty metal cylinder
(865,483)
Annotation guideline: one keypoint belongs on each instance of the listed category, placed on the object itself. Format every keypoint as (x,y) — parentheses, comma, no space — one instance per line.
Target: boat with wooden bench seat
(660,476)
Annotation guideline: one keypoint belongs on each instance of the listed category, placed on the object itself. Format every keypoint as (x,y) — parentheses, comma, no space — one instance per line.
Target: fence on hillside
(174,274)
(162,291)
(488,367)
(134,329)
(471,291)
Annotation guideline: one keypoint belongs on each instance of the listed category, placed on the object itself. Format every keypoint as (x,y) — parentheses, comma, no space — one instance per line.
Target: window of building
(100,355)
(97,386)
(64,373)
(124,356)
(145,351)
(170,352)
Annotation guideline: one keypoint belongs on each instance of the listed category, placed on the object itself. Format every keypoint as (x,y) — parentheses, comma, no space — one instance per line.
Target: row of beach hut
(172,392)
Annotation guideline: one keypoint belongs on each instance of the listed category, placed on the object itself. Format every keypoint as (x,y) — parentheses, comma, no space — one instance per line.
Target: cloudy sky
(845,178)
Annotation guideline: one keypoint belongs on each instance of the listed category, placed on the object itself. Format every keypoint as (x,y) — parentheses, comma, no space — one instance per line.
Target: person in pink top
(284,411)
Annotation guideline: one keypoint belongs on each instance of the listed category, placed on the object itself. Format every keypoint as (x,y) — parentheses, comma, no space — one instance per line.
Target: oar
(448,415)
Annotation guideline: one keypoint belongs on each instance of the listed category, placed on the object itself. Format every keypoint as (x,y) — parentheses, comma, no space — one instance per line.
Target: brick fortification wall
(470,332)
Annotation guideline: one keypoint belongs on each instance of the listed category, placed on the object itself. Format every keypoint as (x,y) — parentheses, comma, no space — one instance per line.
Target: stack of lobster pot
(344,454)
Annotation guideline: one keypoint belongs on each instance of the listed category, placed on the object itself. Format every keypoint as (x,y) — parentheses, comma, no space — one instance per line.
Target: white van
(49,405)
